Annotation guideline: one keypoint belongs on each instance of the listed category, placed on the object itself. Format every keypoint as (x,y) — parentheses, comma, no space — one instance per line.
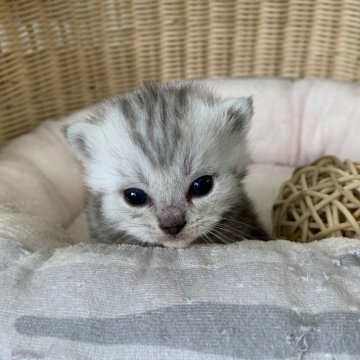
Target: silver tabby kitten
(165,165)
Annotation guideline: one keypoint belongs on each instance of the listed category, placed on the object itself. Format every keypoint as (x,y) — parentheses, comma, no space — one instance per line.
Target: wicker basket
(60,55)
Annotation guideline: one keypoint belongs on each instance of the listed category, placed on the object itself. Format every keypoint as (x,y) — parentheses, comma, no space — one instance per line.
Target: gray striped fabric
(249,300)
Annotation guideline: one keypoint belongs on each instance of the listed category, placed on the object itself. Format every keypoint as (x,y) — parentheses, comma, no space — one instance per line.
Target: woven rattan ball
(319,201)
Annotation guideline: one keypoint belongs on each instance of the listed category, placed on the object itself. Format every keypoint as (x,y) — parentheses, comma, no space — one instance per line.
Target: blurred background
(57,56)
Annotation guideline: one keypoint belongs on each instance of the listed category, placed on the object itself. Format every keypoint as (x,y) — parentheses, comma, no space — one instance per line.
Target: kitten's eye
(201,186)
(135,196)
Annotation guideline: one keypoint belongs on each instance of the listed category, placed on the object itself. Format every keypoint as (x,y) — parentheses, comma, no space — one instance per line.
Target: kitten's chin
(177,243)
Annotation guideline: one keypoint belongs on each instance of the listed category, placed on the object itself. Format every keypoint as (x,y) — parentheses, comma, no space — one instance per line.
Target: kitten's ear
(77,136)
(239,112)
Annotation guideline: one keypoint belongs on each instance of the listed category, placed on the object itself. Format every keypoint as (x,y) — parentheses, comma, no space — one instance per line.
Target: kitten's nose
(171,219)
(174,229)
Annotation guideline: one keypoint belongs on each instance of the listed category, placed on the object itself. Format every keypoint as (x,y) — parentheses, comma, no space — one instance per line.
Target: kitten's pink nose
(173,230)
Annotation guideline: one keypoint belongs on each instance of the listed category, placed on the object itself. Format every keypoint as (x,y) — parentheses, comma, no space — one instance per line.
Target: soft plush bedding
(64,297)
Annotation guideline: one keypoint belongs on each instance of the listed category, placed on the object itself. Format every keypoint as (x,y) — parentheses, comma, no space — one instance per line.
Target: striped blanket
(249,300)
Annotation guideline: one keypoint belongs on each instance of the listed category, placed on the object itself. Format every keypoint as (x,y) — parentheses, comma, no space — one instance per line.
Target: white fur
(215,153)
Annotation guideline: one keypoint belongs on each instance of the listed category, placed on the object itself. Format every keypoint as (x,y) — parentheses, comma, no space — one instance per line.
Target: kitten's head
(163,164)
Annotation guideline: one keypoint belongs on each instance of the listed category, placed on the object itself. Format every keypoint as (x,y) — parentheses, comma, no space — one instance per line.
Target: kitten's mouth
(177,241)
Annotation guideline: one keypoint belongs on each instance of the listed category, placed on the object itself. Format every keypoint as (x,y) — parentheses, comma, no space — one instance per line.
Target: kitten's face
(164,163)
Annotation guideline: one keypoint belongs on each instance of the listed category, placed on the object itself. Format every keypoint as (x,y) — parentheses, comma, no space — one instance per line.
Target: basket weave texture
(320,200)
(60,55)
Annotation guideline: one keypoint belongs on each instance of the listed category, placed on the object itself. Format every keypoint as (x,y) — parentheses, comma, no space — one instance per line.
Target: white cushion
(247,300)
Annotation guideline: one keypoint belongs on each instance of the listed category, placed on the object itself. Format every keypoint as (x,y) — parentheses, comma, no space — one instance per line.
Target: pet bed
(64,297)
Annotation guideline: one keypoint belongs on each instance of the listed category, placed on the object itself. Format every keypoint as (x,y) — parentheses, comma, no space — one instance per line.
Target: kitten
(165,165)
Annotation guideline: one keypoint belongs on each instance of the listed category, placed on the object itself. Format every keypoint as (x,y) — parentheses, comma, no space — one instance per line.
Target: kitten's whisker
(208,239)
(220,236)
(236,235)
(213,232)
(239,222)
(135,243)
